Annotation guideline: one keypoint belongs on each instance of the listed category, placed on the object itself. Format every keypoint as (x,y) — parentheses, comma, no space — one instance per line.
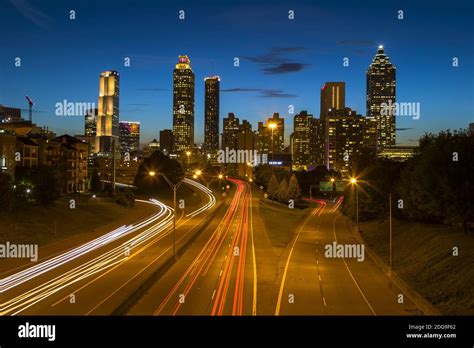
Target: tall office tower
(231,130)
(90,125)
(246,138)
(347,135)
(381,89)
(303,140)
(211,114)
(333,96)
(246,142)
(183,105)
(129,136)
(108,113)
(263,139)
(167,141)
(278,133)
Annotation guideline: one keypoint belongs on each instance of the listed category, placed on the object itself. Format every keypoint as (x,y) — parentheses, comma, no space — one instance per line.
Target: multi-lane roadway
(97,276)
(229,268)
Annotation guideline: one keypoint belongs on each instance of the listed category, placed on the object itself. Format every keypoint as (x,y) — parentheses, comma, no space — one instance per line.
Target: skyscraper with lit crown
(183,105)
(381,89)
(108,113)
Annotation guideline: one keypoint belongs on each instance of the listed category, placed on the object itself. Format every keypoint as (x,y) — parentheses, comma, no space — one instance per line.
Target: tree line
(436,185)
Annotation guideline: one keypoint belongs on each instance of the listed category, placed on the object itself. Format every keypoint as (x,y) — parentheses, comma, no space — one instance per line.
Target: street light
(175,188)
(272,127)
(355,181)
(188,153)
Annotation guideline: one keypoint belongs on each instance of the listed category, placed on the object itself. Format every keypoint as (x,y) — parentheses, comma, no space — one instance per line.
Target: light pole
(188,153)
(272,127)
(175,188)
(355,181)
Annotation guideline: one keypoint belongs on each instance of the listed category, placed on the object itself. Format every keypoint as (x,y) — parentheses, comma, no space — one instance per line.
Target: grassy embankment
(42,225)
(280,221)
(423,257)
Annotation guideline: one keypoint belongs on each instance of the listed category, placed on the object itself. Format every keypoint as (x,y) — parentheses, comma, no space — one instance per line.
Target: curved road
(96,277)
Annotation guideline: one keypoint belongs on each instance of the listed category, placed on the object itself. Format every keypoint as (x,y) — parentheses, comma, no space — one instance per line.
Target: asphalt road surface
(97,276)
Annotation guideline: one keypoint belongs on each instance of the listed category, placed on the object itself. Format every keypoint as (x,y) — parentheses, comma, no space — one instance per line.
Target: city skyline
(272,74)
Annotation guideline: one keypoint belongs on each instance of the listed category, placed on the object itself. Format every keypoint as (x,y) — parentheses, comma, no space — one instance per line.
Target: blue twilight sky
(282,61)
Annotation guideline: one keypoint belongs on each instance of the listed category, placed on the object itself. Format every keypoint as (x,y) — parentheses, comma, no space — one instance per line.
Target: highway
(211,278)
(95,277)
(218,274)
(312,283)
(229,268)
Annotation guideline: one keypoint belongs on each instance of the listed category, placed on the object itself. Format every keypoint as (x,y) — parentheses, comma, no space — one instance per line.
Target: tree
(6,194)
(437,183)
(46,185)
(272,189)
(294,191)
(282,190)
(157,163)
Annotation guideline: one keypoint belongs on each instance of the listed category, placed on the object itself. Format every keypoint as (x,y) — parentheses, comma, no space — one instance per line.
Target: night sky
(282,61)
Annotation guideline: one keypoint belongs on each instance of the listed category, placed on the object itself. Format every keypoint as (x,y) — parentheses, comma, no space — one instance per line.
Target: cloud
(241,90)
(287,49)
(276,93)
(404,129)
(275,61)
(264,93)
(36,16)
(285,68)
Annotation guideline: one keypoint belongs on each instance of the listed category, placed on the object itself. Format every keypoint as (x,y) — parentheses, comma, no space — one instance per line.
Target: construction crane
(30,108)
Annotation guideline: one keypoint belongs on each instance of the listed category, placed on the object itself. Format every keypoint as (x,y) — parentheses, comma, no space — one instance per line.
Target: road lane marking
(213,294)
(282,285)
(254,302)
(324,301)
(319,277)
(350,273)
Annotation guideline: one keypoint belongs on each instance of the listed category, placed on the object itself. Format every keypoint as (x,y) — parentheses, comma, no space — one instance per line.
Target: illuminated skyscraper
(183,105)
(167,141)
(307,145)
(230,135)
(347,135)
(333,97)
(381,89)
(129,136)
(211,114)
(108,113)
(90,126)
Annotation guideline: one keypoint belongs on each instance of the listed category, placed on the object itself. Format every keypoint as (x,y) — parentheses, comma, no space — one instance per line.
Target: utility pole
(113,165)
(357,206)
(390,222)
